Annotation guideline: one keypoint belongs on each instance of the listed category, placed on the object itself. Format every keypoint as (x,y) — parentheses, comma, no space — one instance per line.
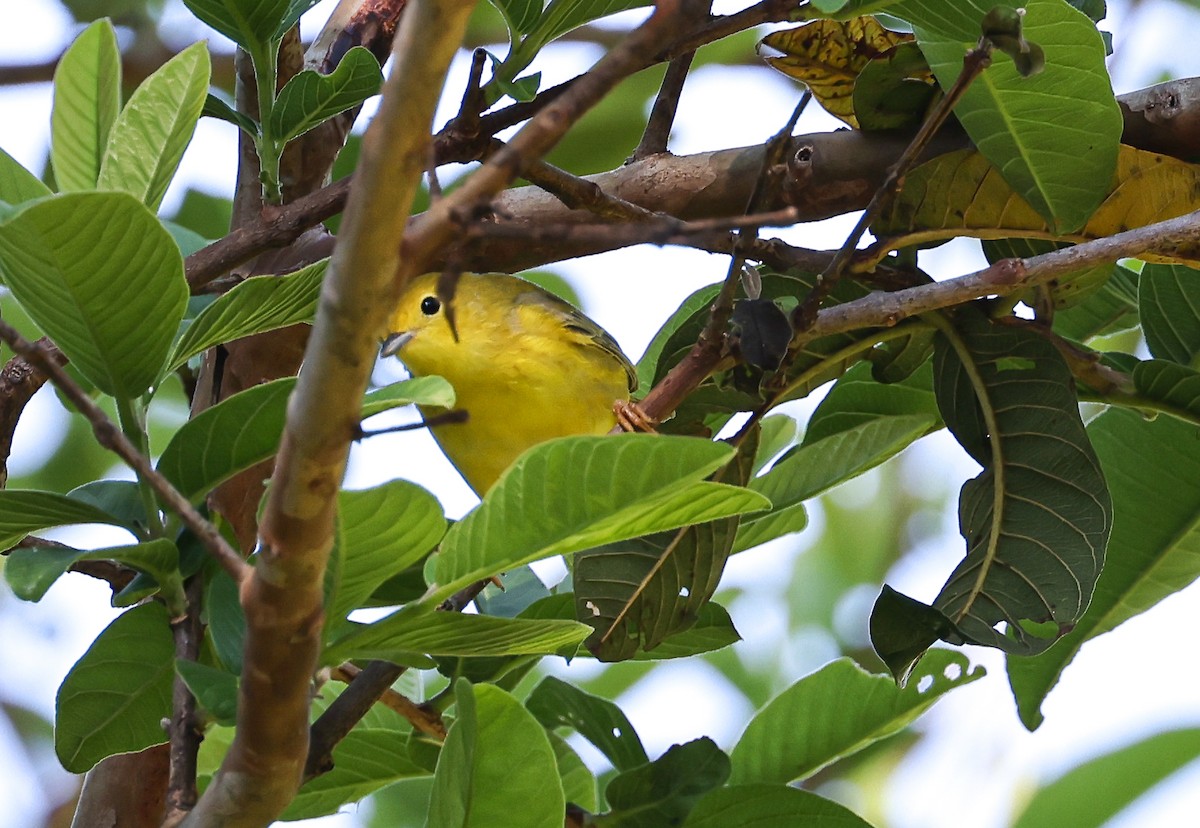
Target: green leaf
(257,305)
(1174,388)
(1036,520)
(555,704)
(712,630)
(155,127)
(621,487)
(231,436)
(495,754)
(87,98)
(402,634)
(215,689)
(1090,795)
(1169,306)
(23,511)
(519,15)
(1155,546)
(31,571)
(310,98)
(579,783)
(639,592)
(857,398)
(363,762)
(99,274)
(795,736)
(116,696)
(251,25)
(216,107)
(1063,167)
(665,790)
(226,621)
(18,184)
(428,391)
(380,532)
(1112,308)
(816,467)
(770,806)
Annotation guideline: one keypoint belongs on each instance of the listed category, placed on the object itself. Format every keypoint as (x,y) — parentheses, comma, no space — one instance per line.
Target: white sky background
(977,759)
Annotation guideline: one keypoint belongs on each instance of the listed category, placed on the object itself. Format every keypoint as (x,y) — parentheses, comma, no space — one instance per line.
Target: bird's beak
(393,342)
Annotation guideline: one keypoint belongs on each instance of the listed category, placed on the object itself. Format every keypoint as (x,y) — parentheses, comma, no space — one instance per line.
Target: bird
(526,367)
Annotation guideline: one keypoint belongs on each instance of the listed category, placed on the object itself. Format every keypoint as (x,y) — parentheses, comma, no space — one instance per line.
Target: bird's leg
(630,417)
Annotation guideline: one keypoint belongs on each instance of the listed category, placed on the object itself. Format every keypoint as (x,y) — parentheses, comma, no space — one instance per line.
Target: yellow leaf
(827,55)
(960,193)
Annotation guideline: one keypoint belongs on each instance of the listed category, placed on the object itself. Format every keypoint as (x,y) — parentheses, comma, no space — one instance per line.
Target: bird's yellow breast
(525,368)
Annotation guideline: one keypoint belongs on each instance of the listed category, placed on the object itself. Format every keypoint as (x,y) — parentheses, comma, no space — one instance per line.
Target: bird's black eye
(430,305)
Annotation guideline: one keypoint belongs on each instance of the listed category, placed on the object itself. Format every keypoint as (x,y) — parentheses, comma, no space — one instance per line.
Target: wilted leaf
(961,193)
(828,55)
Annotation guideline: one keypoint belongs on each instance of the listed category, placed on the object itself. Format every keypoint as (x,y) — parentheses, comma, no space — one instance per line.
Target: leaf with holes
(795,736)
(1036,520)
(639,592)
(555,704)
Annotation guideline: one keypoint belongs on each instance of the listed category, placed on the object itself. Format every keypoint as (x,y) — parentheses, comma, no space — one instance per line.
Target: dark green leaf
(664,791)
(87,98)
(310,98)
(1174,388)
(1037,519)
(116,696)
(794,736)
(215,690)
(251,25)
(579,783)
(99,274)
(1112,308)
(216,107)
(1169,306)
(894,92)
(24,511)
(226,621)
(556,704)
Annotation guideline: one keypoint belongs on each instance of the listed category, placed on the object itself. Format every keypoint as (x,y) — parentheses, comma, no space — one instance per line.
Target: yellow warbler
(526,367)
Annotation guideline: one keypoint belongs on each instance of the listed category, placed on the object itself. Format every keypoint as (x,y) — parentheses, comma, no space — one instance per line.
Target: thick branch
(283,598)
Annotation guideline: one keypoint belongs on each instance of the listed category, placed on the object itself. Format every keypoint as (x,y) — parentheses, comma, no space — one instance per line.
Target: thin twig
(19,381)
(974,63)
(109,436)
(185,730)
(421,717)
(662,114)
(578,193)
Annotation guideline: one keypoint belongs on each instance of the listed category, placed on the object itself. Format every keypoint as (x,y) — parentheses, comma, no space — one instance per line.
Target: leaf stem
(270,149)
(133,425)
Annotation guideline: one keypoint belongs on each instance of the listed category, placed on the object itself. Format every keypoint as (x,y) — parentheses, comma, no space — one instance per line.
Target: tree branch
(283,598)
(108,435)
